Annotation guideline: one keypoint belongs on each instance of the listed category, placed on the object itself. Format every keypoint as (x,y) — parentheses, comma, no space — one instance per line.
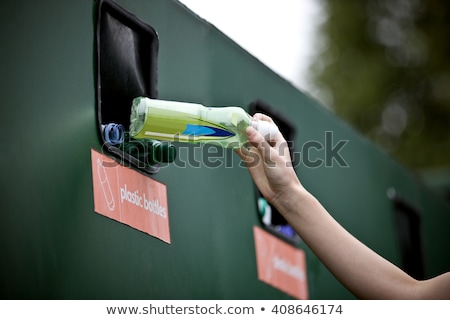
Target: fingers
(255,138)
(259,143)
(257,151)
(274,140)
(269,150)
(260,116)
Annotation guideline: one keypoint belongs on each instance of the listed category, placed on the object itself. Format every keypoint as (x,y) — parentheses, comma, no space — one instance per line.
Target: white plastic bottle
(193,123)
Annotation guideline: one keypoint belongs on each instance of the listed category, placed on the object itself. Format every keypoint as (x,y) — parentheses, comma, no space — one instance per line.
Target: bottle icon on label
(106,187)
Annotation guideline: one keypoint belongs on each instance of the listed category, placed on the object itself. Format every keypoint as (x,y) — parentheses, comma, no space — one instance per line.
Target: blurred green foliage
(384,67)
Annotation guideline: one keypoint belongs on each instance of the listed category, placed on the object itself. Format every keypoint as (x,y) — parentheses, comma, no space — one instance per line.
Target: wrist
(292,198)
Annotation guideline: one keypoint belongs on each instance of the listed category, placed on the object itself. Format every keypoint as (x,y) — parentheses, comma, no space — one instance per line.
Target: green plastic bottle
(193,123)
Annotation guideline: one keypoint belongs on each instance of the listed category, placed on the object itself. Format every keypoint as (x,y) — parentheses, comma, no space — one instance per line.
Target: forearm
(366,274)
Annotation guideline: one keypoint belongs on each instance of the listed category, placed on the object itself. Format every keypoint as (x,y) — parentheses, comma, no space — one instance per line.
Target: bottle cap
(267,129)
(114,133)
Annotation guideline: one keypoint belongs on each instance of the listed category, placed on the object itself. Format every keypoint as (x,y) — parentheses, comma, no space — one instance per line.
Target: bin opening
(126,67)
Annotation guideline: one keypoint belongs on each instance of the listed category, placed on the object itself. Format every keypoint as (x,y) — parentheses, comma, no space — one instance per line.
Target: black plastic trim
(126,67)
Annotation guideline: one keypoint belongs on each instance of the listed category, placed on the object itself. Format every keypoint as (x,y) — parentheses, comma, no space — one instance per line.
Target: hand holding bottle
(269,163)
(361,270)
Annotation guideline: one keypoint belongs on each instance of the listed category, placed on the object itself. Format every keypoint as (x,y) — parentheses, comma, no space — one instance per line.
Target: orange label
(280,264)
(129,197)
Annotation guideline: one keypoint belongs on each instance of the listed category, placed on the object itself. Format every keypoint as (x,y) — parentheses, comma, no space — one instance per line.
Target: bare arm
(366,274)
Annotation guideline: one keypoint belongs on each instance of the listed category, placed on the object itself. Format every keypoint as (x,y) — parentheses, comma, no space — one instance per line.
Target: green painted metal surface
(53,244)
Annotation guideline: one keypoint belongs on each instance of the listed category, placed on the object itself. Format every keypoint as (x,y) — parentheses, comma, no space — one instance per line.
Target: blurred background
(383,66)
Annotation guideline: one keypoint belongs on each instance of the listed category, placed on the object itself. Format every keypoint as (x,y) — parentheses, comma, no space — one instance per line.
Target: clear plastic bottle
(193,123)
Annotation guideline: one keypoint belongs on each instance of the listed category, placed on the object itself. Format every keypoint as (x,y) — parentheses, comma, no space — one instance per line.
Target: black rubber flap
(126,62)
